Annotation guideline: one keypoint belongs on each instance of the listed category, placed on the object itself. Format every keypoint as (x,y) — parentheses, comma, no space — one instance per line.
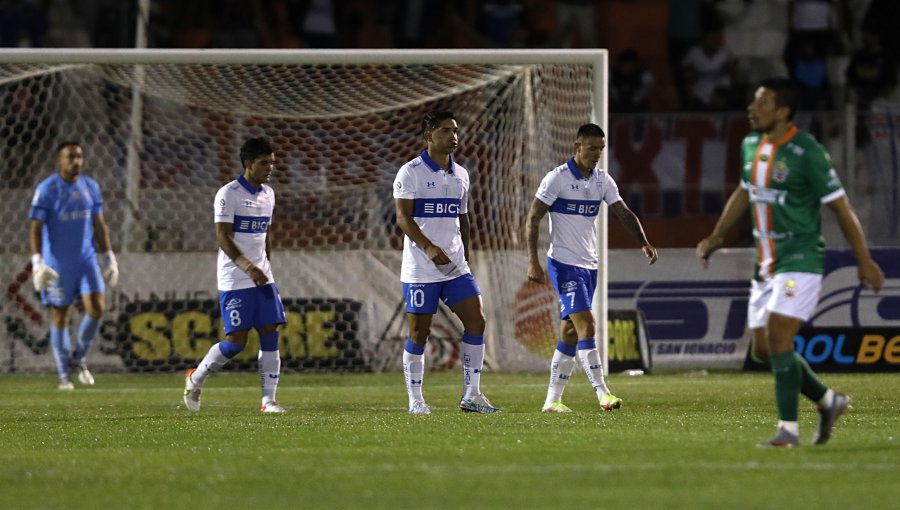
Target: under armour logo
(429,184)
(574,187)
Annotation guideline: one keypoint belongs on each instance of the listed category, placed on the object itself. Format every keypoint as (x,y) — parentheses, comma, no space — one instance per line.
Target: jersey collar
(787,136)
(574,169)
(434,166)
(247,186)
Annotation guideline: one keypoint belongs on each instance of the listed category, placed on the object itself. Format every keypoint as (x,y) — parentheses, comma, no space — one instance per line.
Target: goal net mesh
(341,132)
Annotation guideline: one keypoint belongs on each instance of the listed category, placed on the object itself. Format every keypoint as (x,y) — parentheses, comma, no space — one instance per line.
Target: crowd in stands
(712,53)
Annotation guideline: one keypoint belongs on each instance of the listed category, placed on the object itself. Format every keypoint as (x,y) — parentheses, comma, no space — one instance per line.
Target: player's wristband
(243,263)
(37,260)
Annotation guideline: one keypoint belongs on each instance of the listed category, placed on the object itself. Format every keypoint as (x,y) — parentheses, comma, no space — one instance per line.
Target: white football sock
(413,372)
(791,426)
(472,357)
(827,400)
(212,362)
(561,367)
(269,372)
(590,361)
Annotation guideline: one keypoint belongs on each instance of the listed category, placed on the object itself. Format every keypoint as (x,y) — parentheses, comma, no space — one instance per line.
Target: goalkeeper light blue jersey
(250,211)
(574,203)
(67,210)
(439,196)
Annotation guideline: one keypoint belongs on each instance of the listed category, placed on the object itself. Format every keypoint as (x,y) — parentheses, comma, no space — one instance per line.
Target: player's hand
(110,268)
(536,272)
(258,276)
(437,255)
(42,274)
(650,252)
(870,275)
(706,247)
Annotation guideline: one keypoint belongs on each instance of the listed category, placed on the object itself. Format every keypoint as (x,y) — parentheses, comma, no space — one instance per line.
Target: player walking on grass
(572,193)
(786,177)
(431,195)
(66,221)
(248,297)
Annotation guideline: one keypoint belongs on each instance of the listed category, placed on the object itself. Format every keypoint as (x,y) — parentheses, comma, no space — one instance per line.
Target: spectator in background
(709,73)
(67,25)
(576,23)
(809,68)
(278,29)
(408,19)
(688,21)
(191,24)
(22,24)
(872,73)
(629,83)
(502,23)
(364,27)
(320,26)
(881,17)
(238,23)
(815,23)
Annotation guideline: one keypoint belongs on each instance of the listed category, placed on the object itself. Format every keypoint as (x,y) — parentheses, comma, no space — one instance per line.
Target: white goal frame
(598,59)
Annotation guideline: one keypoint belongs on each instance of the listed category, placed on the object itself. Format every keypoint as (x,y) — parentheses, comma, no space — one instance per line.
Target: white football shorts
(791,294)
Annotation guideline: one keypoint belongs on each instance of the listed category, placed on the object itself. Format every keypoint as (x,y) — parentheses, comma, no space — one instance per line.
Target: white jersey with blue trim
(574,203)
(439,196)
(250,211)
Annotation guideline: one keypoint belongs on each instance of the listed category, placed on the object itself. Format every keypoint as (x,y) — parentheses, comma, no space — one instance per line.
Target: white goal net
(161,131)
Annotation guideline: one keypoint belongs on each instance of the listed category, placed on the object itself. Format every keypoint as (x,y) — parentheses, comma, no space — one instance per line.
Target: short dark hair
(254,148)
(786,92)
(433,119)
(590,130)
(66,143)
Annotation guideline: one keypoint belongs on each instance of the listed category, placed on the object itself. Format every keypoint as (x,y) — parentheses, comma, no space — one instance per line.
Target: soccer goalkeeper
(66,221)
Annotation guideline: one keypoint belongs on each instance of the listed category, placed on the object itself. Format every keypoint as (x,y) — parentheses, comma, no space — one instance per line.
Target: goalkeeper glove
(43,275)
(110,268)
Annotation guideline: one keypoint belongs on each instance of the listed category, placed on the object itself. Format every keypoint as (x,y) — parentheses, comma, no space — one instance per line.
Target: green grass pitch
(347,442)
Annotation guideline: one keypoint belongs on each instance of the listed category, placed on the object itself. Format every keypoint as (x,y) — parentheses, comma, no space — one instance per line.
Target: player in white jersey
(66,222)
(572,193)
(248,297)
(431,197)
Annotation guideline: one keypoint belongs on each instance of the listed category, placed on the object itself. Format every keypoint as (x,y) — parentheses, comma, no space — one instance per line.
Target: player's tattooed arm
(633,226)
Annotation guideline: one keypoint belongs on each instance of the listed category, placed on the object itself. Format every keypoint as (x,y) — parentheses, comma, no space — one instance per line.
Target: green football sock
(811,387)
(788,380)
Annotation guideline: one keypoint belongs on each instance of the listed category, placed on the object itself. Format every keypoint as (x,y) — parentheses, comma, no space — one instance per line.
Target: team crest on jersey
(780,173)
(764,157)
(790,288)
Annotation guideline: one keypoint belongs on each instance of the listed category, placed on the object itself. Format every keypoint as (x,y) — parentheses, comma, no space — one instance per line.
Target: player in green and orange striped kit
(786,177)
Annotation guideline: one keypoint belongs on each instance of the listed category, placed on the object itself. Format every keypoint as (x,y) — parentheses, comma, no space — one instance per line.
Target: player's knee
(419,335)
(476,324)
(760,355)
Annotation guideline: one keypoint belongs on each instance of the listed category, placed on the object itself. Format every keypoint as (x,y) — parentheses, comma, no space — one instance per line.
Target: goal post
(161,128)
